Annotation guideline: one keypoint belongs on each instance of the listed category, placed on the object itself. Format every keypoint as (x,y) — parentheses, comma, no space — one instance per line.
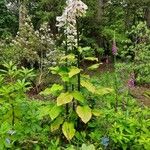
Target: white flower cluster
(35,45)
(68,20)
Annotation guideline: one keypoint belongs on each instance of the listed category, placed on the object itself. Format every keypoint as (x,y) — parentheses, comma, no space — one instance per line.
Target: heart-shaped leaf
(68,130)
(64,98)
(84,112)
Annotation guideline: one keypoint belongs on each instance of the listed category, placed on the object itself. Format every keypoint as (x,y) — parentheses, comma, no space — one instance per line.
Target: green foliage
(68,130)
(8,21)
(139,52)
(76,111)
(84,113)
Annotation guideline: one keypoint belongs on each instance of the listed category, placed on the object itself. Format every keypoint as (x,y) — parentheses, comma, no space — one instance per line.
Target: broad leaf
(55,111)
(89,86)
(74,71)
(52,90)
(70,58)
(44,111)
(78,96)
(64,98)
(81,49)
(84,112)
(96,112)
(102,91)
(54,70)
(56,124)
(91,58)
(68,130)
(93,67)
(89,147)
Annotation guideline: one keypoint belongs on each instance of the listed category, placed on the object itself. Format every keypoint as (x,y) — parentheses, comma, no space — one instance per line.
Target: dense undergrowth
(54,94)
(36,124)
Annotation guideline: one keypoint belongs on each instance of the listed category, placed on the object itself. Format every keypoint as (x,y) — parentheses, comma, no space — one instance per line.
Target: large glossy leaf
(78,96)
(55,111)
(64,98)
(73,71)
(89,86)
(84,112)
(68,130)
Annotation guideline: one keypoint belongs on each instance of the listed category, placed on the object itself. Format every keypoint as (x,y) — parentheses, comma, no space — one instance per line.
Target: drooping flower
(68,20)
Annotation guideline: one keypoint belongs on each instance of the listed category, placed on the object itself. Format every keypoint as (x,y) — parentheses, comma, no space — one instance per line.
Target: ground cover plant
(74,75)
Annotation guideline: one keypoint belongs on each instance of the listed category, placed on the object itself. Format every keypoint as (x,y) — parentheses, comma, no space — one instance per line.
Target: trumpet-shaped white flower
(68,20)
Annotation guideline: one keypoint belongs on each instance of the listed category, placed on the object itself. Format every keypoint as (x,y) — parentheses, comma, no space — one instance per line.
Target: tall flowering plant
(77,110)
(114,52)
(68,20)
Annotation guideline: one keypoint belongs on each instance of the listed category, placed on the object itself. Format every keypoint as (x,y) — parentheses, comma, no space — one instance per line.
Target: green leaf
(78,96)
(70,57)
(74,71)
(52,90)
(84,113)
(93,67)
(81,49)
(5,126)
(96,112)
(56,124)
(55,111)
(64,98)
(102,91)
(54,70)
(44,110)
(89,86)
(68,130)
(89,147)
(91,58)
